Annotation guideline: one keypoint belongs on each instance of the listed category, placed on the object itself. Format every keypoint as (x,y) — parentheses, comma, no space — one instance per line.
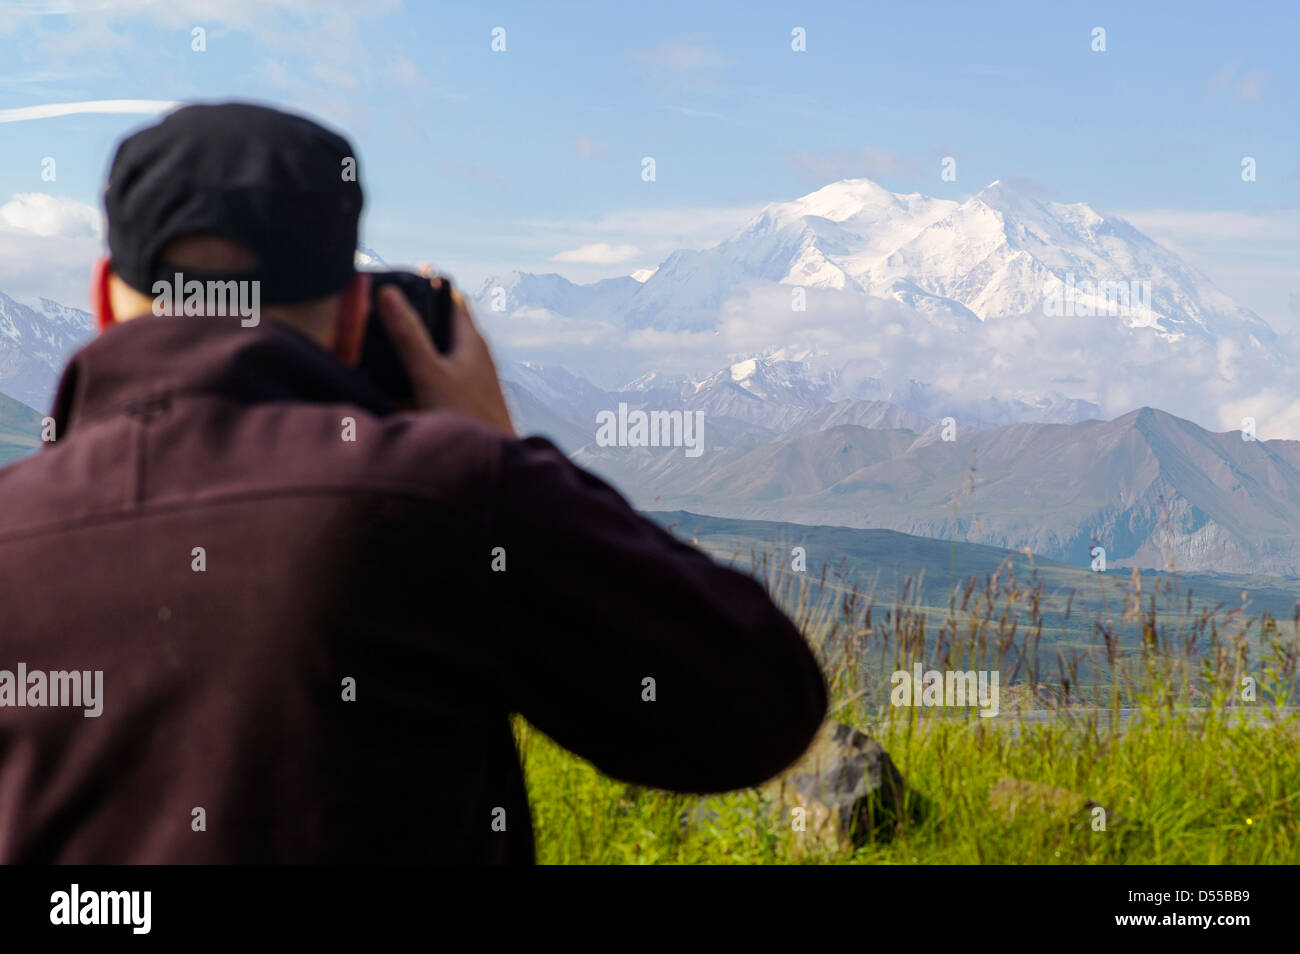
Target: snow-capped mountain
(366,257)
(1002,252)
(1152,489)
(521,291)
(556,388)
(35,342)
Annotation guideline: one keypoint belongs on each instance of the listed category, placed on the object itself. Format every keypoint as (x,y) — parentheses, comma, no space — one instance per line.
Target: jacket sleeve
(634,650)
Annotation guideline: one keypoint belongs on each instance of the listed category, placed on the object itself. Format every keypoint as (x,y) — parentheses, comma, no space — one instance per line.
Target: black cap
(279,184)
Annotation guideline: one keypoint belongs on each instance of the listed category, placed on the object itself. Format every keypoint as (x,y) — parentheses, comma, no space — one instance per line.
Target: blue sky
(530,158)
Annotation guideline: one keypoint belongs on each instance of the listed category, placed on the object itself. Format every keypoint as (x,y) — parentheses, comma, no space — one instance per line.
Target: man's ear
(354,309)
(100,298)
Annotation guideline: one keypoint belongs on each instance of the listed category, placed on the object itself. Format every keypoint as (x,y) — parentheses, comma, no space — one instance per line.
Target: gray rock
(848,787)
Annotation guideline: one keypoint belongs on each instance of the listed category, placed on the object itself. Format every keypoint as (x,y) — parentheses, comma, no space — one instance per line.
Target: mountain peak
(1011,249)
(1003,195)
(838,202)
(1026,200)
(846,198)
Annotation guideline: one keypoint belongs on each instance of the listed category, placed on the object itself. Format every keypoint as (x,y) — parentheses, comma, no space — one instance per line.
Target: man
(305,616)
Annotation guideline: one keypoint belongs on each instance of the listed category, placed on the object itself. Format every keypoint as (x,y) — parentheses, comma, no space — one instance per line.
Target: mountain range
(1000,253)
(981,424)
(1154,490)
(20,429)
(35,343)
(889,567)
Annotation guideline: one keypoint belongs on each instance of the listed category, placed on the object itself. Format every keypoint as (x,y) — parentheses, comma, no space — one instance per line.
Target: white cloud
(59,7)
(700,113)
(344,79)
(47,247)
(591,149)
(322,41)
(535,331)
(51,110)
(655,234)
(598,253)
(684,66)
(1246,86)
(1252,256)
(1188,225)
(237,14)
(683,56)
(1097,360)
(1251,86)
(655,230)
(51,216)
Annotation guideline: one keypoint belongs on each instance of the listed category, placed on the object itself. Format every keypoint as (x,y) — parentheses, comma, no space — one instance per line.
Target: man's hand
(464,379)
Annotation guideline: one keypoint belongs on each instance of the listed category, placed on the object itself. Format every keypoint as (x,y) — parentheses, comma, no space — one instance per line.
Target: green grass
(20,429)
(1199,775)
(882,562)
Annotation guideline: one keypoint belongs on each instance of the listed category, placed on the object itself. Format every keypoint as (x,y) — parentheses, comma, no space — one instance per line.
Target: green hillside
(1185,765)
(1074,599)
(20,429)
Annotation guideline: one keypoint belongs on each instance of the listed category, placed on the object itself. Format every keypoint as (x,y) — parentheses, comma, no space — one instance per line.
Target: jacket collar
(147,359)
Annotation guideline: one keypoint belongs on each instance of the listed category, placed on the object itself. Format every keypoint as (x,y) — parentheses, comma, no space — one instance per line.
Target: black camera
(380,363)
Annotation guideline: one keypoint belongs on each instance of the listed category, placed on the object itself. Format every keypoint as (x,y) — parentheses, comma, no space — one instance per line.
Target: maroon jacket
(326,560)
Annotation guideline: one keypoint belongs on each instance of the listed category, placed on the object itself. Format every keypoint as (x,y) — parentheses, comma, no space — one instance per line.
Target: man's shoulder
(204,454)
(429,453)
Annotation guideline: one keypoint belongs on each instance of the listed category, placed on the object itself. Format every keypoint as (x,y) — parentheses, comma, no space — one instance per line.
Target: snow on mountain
(757,399)
(1152,489)
(787,390)
(659,381)
(366,257)
(768,394)
(874,415)
(1000,253)
(840,231)
(557,388)
(35,342)
(937,307)
(774,380)
(521,291)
